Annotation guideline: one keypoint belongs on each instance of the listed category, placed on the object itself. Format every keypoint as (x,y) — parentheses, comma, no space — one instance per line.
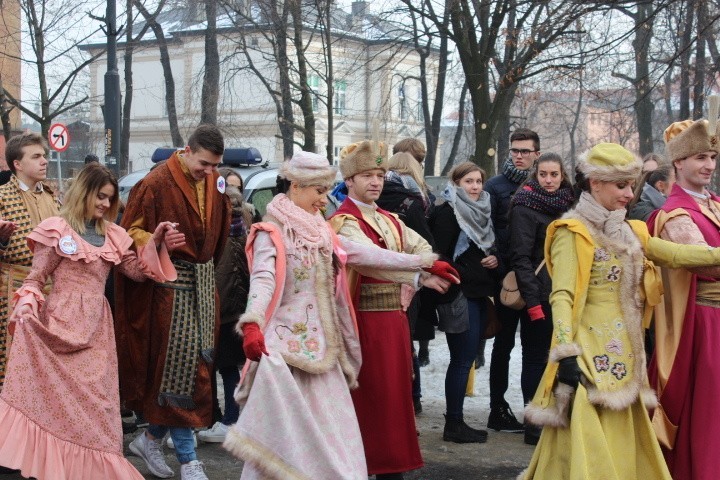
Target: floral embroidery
(614,346)
(312,344)
(614,273)
(602,363)
(562,331)
(293,346)
(601,255)
(299,328)
(300,274)
(619,370)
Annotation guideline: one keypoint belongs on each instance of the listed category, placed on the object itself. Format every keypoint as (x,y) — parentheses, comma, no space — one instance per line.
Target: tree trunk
(458,133)
(211,77)
(700,61)
(124,159)
(306,94)
(177,139)
(644,106)
(685,41)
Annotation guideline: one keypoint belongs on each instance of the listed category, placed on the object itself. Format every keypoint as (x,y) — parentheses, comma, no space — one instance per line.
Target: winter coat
(475,280)
(527,243)
(650,199)
(408,205)
(501,191)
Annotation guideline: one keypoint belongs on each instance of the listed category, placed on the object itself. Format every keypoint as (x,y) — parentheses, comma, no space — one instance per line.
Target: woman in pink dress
(59,408)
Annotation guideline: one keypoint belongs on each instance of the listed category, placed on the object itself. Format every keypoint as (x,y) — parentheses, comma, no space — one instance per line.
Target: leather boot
(459,432)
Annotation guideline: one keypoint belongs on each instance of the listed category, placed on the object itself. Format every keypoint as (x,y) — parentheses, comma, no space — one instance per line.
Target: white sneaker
(171,444)
(193,471)
(216,434)
(151,452)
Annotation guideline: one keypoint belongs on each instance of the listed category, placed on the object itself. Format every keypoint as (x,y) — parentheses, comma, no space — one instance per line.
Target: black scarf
(512,173)
(554,203)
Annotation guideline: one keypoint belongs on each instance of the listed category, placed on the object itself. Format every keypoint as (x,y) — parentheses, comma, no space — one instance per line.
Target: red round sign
(58,137)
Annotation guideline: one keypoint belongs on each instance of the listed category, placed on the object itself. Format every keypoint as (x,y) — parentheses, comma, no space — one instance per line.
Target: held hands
(6,230)
(436,283)
(569,371)
(536,313)
(444,270)
(490,262)
(253,341)
(167,232)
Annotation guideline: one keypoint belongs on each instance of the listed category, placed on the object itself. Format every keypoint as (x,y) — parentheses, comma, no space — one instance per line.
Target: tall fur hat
(307,168)
(687,138)
(609,162)
(362,156)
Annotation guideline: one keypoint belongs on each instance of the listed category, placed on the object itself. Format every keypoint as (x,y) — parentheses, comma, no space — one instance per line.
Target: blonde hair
(404,164)
(80,198)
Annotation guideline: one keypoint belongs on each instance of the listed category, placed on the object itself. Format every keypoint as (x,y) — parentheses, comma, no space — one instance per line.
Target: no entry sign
(59,137)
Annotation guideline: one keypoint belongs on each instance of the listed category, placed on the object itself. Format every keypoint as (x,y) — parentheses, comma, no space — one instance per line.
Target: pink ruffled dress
(60,405)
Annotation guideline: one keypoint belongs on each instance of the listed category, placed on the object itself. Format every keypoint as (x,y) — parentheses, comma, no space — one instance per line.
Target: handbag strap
(537,270)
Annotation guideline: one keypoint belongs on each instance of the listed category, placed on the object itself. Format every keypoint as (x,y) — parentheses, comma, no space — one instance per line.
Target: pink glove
(253,341)
(536,313)
(444,270)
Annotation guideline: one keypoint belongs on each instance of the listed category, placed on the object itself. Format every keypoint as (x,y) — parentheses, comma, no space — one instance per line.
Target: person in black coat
(464,236)
(544,197)
(524,150)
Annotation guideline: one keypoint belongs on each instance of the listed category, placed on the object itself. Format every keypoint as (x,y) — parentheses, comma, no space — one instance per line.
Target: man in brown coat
(166,332)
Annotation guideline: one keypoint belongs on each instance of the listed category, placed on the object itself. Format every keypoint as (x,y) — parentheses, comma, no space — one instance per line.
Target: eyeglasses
(524,152)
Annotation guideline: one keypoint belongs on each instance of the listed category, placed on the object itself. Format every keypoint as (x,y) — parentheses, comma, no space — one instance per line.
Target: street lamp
(112,111)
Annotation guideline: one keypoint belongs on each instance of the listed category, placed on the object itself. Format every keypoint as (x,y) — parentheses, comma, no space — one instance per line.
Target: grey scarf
(473,218)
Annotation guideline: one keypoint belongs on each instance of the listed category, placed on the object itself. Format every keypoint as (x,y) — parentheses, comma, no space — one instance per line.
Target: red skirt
(383,401)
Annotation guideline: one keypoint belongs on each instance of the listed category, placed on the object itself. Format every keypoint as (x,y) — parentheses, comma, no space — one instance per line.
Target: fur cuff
(249,317)
(563,350)
(266,461)
(649,398)
(614,400)
(428,258)
(553,416)
(522,475)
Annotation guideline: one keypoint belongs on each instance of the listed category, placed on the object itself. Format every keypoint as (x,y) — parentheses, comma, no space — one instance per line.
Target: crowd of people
(309,315)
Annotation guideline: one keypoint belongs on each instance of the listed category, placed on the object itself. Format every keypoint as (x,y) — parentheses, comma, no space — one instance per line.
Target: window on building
(339,98)
(402,103)
(336,154)
(314,84)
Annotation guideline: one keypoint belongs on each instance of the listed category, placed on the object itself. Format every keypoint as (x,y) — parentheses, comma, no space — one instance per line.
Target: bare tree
(53,58)
(211,76)
(152,21)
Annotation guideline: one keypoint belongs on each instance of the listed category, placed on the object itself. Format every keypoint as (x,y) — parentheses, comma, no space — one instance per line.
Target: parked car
(259,179)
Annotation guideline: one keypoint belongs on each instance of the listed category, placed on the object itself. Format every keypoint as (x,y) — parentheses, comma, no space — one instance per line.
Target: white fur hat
(308,168)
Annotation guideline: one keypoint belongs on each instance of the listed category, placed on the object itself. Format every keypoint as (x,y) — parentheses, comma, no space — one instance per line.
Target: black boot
(459,432)
(532,434)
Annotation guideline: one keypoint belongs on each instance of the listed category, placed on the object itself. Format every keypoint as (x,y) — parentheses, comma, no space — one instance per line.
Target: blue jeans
(463,350)
(182,437)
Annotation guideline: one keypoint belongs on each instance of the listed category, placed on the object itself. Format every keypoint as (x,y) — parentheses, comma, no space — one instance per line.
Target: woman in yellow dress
(594,396)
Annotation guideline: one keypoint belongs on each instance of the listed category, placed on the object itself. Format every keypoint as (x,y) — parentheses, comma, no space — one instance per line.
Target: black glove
(569,371)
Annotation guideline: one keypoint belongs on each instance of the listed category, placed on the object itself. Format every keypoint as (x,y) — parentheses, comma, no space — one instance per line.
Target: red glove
(253,341)
(444,270)
(536,313)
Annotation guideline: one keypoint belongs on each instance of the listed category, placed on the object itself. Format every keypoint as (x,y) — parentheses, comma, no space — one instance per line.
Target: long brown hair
(80,198)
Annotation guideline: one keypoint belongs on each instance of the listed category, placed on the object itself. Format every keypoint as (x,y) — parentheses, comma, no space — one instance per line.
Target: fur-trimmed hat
(362,156)
(609,162)
(307,168)
(687,138)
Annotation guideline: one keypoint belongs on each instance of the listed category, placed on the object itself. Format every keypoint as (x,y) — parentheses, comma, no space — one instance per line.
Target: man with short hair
(166,332)
(524,150)
(25,201)
(383,400)
(684,370)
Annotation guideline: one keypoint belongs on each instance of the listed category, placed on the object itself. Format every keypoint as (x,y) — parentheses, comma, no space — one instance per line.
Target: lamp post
(112,112)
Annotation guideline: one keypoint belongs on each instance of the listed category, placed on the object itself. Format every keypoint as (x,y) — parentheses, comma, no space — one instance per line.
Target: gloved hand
(569,371)
(444,270)
(253,341)
(536,313)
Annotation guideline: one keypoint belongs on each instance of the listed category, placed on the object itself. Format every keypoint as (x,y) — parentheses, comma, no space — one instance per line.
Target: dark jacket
(527,243)
(232,278)
(501,191)
(408,205)
(475,280)
(650,199)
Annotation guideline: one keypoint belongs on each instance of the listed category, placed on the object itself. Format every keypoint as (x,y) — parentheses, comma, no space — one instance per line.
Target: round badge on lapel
(221,184)
(68,245)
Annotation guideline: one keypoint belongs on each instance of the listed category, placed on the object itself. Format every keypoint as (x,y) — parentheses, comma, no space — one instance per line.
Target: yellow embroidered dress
(602,291)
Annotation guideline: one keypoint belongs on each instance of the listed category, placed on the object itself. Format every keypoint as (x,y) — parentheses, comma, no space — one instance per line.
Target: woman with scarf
(298,419)
(463,233)
(593,398)
(544,197)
